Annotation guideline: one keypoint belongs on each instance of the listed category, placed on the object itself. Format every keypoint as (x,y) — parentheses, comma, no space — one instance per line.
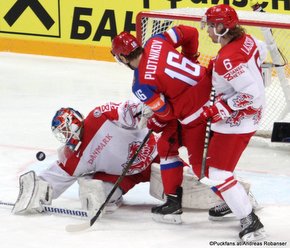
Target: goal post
(273,29)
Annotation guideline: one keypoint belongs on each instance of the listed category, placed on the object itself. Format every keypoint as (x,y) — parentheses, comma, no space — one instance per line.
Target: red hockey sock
(172,175)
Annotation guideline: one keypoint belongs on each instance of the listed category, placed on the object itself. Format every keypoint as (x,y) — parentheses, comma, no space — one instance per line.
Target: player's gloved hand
(219,111)
(154,123)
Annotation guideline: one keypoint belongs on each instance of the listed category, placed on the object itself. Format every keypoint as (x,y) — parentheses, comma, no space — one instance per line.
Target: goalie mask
(67,127)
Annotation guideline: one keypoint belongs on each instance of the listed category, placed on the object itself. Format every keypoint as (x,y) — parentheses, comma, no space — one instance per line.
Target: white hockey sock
(238,200)
(233,192)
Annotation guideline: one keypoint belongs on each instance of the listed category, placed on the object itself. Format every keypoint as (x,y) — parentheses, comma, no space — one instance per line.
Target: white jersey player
(95,152)
(236,113)
(98,146)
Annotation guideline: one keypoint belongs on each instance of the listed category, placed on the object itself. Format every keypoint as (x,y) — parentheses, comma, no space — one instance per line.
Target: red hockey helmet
(224,14)
(124,44)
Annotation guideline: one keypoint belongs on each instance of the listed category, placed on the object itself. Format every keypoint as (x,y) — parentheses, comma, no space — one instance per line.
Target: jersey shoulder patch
(105,108)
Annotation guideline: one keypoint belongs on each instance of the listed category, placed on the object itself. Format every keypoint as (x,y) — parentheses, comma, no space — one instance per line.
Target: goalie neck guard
(67,126)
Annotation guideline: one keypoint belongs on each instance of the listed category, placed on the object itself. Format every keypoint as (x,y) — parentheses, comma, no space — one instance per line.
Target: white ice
(32,88)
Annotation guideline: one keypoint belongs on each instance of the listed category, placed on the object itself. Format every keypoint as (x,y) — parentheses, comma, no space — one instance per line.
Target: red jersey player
(175,86)
(237,111)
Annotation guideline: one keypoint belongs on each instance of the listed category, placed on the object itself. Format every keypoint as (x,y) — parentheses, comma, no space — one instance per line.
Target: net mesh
(273,29)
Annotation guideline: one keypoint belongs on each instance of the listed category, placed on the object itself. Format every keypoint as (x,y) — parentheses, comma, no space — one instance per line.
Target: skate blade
(254,236)
(168,218)
(228,217)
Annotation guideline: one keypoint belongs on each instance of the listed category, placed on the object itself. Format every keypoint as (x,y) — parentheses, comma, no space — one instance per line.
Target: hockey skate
(252,228)
(171,210)
(219,212)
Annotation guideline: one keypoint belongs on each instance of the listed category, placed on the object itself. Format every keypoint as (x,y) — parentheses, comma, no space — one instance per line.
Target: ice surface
(32,88)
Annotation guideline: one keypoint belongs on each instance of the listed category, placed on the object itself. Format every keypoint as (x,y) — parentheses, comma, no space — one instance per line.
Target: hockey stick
(88,224)
(203,179)
(48,209)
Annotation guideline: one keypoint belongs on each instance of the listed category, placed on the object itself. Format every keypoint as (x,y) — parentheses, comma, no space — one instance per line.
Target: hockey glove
(155,124)
(219,111)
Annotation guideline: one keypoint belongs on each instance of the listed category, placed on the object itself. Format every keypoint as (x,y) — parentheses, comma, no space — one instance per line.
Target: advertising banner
(84,28)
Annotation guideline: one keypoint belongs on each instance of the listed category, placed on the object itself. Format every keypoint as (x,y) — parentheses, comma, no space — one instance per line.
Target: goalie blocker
(281,132)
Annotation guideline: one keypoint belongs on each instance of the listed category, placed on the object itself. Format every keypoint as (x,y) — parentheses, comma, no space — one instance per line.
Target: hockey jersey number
(183,64)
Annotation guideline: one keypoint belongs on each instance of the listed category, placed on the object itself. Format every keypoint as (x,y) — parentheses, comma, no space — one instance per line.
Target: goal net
(273,29)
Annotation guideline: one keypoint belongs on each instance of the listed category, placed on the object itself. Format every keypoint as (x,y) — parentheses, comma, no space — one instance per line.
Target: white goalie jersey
(111,137)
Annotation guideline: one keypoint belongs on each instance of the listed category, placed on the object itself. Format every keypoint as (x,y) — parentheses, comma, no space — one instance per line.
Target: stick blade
(78,227)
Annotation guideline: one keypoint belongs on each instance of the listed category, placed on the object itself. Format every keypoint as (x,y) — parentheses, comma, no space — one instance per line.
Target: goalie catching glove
(144,113)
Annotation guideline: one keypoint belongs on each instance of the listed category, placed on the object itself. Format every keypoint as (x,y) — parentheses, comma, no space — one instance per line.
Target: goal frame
(283,23)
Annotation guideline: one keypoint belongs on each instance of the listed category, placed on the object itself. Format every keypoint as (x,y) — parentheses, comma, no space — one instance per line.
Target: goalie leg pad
(33,192)
(195,194)
(93,193)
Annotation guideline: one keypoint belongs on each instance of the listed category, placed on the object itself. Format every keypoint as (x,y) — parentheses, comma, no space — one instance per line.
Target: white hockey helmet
(67,126)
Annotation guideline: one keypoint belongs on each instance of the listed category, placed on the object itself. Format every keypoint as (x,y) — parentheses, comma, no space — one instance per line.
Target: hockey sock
(236,198)
(171,174)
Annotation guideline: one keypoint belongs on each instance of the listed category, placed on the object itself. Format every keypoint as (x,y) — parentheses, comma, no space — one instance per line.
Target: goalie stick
(88,224)
(48,209)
